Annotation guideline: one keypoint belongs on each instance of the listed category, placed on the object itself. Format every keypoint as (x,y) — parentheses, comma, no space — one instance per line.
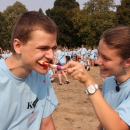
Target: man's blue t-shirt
(24,101)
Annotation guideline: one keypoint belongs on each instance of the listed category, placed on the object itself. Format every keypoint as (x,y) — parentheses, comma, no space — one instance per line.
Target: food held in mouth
(44,64)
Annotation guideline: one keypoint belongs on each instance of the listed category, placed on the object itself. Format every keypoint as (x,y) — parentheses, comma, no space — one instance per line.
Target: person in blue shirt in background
(93,56)
(60,59)
(83,52)
(7,53)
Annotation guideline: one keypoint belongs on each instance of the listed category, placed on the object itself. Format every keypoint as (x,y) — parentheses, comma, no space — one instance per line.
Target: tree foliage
(76,26)
(11,14)
(40,11)
(123,13)
(82,26)
(61,13)
(98,6)
(2,29)
(98,17)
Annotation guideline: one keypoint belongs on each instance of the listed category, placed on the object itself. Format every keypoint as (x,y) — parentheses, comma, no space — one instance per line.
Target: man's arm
(47,123)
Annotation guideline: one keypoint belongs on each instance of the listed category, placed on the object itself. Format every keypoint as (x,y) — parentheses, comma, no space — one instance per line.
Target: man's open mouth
(44,64)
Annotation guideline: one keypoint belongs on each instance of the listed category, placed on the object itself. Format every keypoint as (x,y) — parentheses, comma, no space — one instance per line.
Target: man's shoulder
(2,63)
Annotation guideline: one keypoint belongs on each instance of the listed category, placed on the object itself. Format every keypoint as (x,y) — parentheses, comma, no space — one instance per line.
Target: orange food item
(78,57)
(44,64)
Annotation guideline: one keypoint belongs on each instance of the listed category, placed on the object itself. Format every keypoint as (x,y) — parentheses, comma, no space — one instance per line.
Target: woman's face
(109,61)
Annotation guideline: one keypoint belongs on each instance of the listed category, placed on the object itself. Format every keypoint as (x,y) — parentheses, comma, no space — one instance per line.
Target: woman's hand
(78,72)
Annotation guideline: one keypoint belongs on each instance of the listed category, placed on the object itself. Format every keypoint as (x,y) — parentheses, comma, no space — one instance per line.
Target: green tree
(123,13)
(2,25)
(98,17)
(40,11)
(11,14)
(79,21)
(61,13)
(98,5)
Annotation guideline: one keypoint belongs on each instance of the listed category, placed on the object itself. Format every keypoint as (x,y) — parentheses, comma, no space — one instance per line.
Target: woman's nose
(98,61)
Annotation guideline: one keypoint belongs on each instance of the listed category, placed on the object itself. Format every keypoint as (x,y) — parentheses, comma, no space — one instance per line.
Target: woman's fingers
(78,72)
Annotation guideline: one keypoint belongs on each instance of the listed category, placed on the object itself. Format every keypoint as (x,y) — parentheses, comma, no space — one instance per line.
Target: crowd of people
(62,55)
(27,96)
(5,54)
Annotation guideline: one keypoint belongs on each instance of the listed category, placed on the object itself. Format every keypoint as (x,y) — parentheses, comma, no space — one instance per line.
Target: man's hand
(47,123)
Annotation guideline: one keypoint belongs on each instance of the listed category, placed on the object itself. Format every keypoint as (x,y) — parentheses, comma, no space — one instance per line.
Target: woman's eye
(106,58)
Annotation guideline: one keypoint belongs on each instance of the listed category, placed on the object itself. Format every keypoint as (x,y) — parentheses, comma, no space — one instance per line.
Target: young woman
(113,106)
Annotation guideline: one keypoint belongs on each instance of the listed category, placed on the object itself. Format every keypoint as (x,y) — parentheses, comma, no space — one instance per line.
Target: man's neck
(15,66)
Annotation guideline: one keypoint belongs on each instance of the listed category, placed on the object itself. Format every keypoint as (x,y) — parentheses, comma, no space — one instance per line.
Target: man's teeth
(40,62)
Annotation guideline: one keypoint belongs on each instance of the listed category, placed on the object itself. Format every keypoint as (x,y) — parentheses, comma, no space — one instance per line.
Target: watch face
(91,89)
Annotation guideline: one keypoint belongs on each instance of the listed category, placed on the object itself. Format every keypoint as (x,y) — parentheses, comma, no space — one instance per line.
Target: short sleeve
(51,101)
(124,110)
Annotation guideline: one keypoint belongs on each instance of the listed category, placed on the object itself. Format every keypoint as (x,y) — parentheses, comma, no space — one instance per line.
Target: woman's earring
(125,72)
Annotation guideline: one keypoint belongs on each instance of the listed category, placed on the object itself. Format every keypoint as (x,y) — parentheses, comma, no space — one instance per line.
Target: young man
(27,97)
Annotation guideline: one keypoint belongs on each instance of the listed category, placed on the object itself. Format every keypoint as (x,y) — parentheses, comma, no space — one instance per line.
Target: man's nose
(50,54)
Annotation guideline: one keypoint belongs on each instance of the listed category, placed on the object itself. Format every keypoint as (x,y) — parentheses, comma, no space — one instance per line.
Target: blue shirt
(61,57)
(6,55)
(119,101)
(24,101)
(83,51)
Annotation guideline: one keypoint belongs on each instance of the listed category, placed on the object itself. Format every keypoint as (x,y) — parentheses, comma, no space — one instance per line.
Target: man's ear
(127,64)
(17,46)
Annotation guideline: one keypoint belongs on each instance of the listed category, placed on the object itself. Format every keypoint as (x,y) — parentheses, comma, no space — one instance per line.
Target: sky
(32,5)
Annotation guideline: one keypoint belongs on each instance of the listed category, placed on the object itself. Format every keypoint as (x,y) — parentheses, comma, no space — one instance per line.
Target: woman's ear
(127,64)
(17,46)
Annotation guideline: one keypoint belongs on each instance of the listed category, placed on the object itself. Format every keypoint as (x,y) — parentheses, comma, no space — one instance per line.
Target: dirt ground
(75,111)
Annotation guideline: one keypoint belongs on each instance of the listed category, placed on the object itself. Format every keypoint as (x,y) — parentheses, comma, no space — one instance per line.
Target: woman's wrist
(90,82)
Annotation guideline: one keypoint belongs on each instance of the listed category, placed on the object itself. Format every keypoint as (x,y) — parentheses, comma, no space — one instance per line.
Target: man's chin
(43,72)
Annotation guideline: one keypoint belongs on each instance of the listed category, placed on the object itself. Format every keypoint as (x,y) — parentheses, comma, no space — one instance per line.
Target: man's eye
(54,48)
(44,48)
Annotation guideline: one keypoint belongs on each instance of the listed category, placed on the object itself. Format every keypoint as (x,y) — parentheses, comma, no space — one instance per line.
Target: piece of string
(118,84)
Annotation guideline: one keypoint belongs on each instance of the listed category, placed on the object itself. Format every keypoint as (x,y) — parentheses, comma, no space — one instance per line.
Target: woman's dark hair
(118,38)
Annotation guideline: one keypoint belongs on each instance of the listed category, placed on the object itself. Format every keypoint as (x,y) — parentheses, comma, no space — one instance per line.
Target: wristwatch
(91,89)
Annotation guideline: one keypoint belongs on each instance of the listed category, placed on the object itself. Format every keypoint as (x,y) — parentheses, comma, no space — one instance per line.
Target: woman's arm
(107,116)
